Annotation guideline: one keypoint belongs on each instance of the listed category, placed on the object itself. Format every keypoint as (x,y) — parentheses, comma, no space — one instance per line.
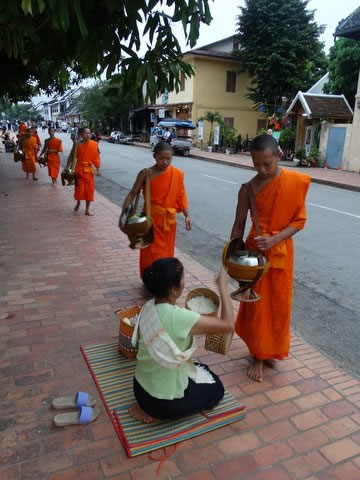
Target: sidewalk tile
(302,420)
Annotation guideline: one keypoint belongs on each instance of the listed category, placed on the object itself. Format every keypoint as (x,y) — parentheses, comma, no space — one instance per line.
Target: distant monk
(51,150)
(87,157)
(22,129)
(36,136)
(280,200)
(168,197)
(30,147)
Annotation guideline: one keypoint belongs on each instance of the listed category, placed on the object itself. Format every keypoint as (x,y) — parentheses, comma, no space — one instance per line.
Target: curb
(344,186)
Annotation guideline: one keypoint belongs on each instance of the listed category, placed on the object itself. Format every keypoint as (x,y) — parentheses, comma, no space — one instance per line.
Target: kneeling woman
(167,383)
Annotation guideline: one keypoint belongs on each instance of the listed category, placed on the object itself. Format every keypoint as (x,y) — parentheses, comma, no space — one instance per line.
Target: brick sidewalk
(62,277)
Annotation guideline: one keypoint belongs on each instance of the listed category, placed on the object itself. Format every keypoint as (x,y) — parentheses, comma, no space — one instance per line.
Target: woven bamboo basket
(126,331)
(214,342)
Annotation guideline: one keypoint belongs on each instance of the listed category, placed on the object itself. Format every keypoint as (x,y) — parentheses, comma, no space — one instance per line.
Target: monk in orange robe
(22,129)
(280,195)
(51,150)
(87,157)
(36,136)
(167,197)
(30,148)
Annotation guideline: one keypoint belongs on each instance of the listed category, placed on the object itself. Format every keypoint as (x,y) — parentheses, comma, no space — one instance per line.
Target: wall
(210,95)
(324,135)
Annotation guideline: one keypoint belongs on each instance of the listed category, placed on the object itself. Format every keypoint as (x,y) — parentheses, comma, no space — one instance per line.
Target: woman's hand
(222,279)
(264,243)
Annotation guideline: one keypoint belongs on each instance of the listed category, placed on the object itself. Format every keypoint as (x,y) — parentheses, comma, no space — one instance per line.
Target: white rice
(202,305)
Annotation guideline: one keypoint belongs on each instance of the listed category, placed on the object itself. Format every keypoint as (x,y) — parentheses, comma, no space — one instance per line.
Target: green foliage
(262,131)
(212,117)
(287,138)
(104,108)
(51,44)
(311,160)
(228,136)
(344,69)
(300,153)
(20,111)
(280,48)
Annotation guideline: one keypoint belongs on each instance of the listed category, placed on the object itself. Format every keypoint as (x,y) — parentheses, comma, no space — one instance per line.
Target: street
(326,294)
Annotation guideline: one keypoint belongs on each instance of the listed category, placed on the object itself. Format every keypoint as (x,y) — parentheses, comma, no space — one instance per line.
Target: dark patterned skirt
(197,397)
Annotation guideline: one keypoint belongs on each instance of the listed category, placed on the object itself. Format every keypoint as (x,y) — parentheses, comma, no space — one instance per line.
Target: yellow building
(216,86)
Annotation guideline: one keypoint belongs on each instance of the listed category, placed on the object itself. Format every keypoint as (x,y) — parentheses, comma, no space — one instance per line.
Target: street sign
(161,112)
(216,135)
(200,130)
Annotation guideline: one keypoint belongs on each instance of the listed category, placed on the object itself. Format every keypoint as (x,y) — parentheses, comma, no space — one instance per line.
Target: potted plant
(211,117)
(287,142)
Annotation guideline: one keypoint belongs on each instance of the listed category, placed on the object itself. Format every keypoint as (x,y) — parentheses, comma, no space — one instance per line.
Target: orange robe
(37,138)
(22,129)
(265,325)
(87,156)
(53,157)
(168,197)
(30,148)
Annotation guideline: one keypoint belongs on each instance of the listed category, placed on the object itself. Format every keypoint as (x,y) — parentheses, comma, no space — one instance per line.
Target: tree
(344,67)
(211,117)
(50,44)
(280,48)
(21,111)
(103,107)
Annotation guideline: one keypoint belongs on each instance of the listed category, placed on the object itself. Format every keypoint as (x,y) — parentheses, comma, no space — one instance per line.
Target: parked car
(181,142)
(64,126)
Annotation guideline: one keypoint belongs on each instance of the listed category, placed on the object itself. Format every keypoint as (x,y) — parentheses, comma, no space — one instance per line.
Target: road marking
(220,179)
(334,210)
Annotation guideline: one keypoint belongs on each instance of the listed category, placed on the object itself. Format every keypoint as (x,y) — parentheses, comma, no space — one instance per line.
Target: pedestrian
(74,132)
(280,200)
(22,128)
(167,197)
(52,147)
(87,157)
(168,384)
(30,148)
(36,136)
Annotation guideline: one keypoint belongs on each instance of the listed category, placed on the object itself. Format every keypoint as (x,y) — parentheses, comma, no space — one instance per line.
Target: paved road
(327,278)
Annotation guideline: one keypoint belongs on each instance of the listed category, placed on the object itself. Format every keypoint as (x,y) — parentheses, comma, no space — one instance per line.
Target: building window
(230,81)
(182,81)
(229,122)
(235,45)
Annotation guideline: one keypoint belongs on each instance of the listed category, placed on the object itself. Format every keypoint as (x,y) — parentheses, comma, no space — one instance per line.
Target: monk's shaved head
(264,142)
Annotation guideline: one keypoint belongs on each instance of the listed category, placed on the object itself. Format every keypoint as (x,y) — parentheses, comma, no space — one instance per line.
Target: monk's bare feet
(77,206)
(138,413)
(88,213)
(270,363)
(34,178)
(255,371)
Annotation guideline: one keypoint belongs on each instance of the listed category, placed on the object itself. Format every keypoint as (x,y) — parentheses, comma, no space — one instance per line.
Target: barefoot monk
(280,200)
(87,157)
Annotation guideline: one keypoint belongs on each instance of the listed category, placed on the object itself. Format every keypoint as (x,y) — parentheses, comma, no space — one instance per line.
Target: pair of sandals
(85,413)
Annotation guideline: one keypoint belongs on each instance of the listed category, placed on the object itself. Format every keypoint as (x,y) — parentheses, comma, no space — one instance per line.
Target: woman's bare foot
(138,413)
(255,371)
(77,206)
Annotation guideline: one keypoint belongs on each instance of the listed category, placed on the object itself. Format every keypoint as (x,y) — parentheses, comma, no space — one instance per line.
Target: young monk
(30,147)
(280,200)
(87,157)
(167,383)
(36,136)
(51,149)
(168,197)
